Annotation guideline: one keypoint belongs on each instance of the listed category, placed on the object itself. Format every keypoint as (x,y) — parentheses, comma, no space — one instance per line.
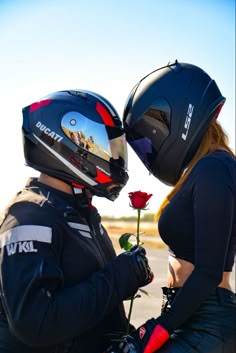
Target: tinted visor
(93,137)
(143,149)
(147,134)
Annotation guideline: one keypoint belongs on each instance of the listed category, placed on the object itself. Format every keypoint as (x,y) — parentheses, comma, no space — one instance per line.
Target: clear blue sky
(105,46)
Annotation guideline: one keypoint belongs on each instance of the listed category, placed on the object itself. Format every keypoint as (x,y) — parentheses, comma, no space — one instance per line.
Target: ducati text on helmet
(166,116)
(49,132)
(77,137)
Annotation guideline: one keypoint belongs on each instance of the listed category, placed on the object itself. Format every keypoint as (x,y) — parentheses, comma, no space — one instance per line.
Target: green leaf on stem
(124,241)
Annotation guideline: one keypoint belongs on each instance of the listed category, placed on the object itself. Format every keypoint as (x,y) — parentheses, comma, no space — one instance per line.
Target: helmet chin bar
(112,191)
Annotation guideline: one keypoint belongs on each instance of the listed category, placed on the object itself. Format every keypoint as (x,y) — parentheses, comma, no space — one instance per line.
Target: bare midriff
(179,270)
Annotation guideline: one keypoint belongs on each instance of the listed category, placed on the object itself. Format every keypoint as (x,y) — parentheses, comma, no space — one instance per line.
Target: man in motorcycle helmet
(61,284)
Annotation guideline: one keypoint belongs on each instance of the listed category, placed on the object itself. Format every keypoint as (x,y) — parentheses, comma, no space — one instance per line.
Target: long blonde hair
(214,138)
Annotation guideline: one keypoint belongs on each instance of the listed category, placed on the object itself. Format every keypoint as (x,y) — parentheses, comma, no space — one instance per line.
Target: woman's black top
(198,225)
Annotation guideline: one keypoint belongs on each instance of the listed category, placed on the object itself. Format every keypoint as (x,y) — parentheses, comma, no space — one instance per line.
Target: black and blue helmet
(166,115)
(77,136)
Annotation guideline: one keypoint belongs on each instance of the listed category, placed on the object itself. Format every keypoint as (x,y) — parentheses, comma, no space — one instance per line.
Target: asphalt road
(149,306)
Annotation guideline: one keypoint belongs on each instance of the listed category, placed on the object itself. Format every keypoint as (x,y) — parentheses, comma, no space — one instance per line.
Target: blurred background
(106,47)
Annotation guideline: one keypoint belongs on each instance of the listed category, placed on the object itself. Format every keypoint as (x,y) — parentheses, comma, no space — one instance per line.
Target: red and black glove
(146,339)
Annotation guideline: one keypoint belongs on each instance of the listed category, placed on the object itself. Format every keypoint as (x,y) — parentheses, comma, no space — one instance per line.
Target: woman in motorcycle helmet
(61,285)
(170,122)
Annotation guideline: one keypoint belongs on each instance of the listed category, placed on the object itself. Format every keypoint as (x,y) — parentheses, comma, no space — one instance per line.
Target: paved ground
(147,307)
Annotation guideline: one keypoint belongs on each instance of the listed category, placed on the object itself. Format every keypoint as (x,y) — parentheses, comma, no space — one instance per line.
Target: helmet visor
(148,133)
(143,149)
(92,136)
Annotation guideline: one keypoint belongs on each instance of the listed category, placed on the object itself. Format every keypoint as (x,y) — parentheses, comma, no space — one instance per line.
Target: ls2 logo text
(187,121)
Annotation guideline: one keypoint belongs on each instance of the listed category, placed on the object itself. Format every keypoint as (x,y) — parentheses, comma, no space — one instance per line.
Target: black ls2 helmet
(166,115)
(77,137)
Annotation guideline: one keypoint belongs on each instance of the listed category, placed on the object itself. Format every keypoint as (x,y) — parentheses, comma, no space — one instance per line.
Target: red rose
(139,199)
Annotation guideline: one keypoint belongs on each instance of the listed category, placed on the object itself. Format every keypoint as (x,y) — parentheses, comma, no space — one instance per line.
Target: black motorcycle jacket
(61,283)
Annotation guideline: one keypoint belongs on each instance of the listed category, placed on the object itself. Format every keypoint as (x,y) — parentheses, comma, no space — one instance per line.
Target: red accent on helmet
(91,206)
(74,161)
(104,114)
(102,178)
(78,185)
(40,104)
(218,110)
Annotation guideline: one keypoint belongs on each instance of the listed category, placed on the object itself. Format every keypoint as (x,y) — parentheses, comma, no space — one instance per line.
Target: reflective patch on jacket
(83,228)
(20,239)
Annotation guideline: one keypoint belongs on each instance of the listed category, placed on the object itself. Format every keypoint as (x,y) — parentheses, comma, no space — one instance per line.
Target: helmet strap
(83,202)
